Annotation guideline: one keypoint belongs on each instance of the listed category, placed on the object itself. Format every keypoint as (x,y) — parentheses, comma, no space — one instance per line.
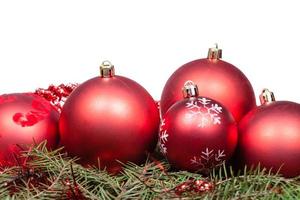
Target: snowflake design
(208,160)
(208,111)
(163,138)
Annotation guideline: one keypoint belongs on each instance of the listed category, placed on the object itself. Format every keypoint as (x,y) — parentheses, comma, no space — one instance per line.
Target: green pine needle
(53,175)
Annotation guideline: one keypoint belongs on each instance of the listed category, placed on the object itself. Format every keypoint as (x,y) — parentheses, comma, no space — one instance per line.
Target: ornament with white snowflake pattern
(197,134)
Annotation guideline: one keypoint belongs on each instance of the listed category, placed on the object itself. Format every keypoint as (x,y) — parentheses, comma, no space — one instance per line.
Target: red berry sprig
(194,186)
(57,95)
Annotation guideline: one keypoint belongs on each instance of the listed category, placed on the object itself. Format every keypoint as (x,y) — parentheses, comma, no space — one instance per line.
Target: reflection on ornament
(5,98)
(40,110)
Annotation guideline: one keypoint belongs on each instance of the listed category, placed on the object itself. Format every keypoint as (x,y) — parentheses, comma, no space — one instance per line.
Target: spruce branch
(45,174)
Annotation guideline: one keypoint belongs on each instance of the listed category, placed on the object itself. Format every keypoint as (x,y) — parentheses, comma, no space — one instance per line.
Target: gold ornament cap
(190,89)
(214,53)
(107,69)
(266,96)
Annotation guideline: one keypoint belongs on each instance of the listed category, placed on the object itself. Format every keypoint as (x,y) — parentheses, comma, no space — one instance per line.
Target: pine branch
(53,175)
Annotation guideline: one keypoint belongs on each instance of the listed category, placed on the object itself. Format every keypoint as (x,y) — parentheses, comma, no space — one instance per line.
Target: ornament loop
(266,96)
(214,53)
(107,69)
(190,89)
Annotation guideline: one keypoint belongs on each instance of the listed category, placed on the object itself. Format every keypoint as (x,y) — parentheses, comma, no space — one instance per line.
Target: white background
(61,41)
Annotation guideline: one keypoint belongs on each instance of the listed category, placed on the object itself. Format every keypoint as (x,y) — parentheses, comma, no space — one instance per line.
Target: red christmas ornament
(109,118)
(197,133)
(25,118)
(216,79)
(270,135)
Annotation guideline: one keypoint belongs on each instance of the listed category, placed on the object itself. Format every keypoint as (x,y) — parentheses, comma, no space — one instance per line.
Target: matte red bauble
(197,133)
(109,118)
(25,118)
(216,79)
(270,135)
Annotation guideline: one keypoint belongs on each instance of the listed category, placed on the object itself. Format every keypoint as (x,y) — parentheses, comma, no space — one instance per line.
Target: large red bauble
(216,79)
(109,118)
(25,118)
(270,135)
(197,134)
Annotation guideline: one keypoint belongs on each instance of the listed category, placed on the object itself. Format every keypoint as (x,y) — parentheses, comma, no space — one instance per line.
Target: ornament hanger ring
(107,69)
(189,83)
(106,64)
(216,46)
(214,53)
(190,89)
(266,96)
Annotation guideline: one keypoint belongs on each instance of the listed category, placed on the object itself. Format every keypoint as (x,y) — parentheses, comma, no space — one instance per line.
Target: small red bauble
(216,79)
(270,135)
(197,133)
(109,119)
(25,118)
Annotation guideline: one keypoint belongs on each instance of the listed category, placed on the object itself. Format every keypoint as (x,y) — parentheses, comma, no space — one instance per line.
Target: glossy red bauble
(25,119)
(216,79)
(270,135)
(109,118)
(197,134)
